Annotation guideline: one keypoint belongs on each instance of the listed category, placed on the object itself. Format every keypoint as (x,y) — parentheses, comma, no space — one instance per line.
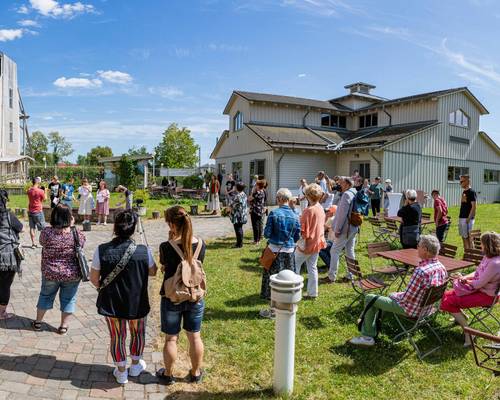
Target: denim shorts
(67,295)
(464,228)
(36,220)
(191,315)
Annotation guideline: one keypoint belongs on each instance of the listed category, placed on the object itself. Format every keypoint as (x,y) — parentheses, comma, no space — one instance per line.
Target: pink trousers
(453,303)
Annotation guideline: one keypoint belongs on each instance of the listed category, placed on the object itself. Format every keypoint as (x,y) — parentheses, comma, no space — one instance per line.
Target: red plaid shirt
(429,273)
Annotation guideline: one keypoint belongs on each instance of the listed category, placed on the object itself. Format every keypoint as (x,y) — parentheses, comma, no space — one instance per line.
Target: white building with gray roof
(424,141)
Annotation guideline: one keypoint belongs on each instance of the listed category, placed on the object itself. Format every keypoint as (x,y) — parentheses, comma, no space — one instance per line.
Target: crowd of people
(119,270)
(321,223)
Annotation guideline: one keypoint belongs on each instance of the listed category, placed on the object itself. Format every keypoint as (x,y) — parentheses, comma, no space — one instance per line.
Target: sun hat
(388,181)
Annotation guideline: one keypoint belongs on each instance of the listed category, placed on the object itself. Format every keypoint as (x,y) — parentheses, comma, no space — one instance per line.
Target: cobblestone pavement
(45,365)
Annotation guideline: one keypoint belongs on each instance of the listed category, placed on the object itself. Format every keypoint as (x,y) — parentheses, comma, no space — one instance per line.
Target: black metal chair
(479,315)
(486,349)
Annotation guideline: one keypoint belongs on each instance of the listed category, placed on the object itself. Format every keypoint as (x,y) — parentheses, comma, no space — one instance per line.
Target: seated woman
(479,287)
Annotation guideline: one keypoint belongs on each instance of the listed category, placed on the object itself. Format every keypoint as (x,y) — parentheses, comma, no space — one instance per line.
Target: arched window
(459,118)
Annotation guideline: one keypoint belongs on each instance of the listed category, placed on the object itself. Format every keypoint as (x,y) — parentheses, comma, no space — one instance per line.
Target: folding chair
(448,250)
(393,271)
(379,232)
(360,284)
(447,229)
(486,349)
(473,255)
(475,236)
(392,230)
(480,314)
(431,299)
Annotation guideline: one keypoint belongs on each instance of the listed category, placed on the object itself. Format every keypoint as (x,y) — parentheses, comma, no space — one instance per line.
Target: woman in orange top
(312,230)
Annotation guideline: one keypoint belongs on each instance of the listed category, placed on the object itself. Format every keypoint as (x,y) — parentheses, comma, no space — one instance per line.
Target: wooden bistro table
(424,221)
(410,257)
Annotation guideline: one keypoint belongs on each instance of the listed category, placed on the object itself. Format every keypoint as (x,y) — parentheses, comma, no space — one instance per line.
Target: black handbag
(80,257)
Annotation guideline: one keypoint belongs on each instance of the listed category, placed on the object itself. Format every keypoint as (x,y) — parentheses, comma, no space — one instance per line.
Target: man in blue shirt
(67,193)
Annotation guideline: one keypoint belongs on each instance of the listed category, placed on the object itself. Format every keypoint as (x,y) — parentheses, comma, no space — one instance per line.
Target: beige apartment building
(424,141)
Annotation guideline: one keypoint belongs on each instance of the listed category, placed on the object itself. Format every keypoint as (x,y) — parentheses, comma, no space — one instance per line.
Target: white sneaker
(366,341)
(121,377)
(136,369)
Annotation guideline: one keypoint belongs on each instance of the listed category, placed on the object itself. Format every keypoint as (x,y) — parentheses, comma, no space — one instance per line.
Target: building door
(257,167)
(237,168)
(362,166)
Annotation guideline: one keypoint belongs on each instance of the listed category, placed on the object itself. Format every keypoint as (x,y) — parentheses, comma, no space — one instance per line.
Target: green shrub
(192,182)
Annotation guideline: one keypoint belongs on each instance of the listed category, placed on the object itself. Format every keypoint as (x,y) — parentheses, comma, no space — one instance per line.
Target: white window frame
(491,182)
(238,121)
(456,169)
(460,123)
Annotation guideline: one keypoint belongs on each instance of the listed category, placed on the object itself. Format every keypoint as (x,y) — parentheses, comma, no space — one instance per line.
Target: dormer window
(365,121)
(238,121)
(459,118)
(335,121)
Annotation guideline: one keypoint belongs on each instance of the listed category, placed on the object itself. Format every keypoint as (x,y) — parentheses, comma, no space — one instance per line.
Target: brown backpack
(189,280)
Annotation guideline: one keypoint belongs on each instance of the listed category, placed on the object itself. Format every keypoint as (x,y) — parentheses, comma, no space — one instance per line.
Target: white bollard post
(286,292)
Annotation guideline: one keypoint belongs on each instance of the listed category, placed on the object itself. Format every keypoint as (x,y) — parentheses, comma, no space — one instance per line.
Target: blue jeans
(67,295)
(324,254)
(191,315)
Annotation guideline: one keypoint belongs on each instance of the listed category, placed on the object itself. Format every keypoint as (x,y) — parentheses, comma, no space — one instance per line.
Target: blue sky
(118,72)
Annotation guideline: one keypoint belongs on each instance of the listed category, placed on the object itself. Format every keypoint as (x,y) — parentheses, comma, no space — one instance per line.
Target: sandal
(36,325)
(62,330)
(6,315)
(195,378)
(165,379)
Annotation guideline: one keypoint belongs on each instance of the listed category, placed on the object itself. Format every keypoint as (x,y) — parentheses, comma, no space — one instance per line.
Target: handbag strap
(120,266)
(289,237)
(76,238)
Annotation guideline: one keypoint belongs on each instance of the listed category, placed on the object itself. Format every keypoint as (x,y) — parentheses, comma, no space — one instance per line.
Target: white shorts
(464,228)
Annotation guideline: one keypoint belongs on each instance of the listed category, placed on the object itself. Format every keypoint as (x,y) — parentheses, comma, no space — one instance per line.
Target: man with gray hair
(429,273)
(345,233)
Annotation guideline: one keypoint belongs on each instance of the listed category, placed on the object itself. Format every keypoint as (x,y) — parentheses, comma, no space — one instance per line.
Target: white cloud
(301,75)
(388,30)
(23,10)
(226,47)
(29,23)
(84,83)
(119,77)
(325,8)
(167,92)
(182,52)
(10,34)
(475,67)
(54,9)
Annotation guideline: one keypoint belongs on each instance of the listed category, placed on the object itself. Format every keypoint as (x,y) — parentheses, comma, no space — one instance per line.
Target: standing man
(440,215)
(375,192)
(345,233)
(36,197)
(54,187)
(467,211)
(220,177)
(68,190)
(321,180)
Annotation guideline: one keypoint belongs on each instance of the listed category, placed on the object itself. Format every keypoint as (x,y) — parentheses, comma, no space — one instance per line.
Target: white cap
(38,179)
(388,181)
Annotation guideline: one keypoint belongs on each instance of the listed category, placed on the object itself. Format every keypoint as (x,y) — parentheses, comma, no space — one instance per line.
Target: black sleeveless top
(127,295)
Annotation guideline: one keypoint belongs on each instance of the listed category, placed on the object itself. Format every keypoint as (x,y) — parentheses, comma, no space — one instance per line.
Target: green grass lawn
(239,344)
(21,201)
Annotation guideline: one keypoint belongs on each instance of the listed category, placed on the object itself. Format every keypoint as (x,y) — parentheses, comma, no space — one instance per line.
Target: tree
(126,171)
(39,146)
(177,148)
(81,160)
(98,152)
(138,151)
(61,148)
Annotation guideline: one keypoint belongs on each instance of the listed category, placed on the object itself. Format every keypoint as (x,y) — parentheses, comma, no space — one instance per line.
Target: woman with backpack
(120,271)
(173,312)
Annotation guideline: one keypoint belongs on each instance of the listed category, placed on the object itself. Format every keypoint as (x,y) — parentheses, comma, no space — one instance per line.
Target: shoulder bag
(120,266)
(80,256)
(268,256)
(18,251)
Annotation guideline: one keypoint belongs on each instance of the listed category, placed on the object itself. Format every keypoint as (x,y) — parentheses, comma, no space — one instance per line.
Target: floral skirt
(283,261)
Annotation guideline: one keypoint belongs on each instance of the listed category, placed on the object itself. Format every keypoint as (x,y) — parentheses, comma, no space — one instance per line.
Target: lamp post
(154,174)
(44,162)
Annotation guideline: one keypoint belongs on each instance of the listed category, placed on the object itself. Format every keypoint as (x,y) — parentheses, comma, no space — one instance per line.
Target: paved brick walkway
(45,365)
